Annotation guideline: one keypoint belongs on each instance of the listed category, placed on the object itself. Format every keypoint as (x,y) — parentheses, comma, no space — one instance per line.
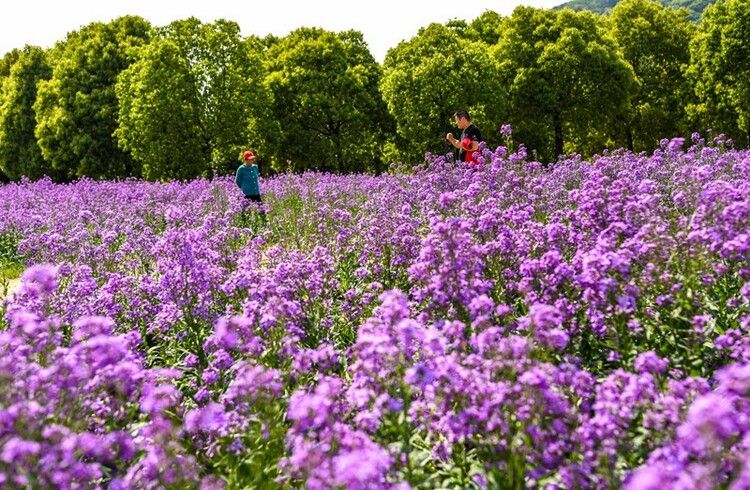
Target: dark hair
(463,113)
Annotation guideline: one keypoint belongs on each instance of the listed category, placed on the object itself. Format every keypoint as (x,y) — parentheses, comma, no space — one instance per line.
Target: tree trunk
(629,136)
(445,128)
(558,137)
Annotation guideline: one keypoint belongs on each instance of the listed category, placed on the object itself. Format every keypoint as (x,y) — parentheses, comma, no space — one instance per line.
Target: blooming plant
(578,325)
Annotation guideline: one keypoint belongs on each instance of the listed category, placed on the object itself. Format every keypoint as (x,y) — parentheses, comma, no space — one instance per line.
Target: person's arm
(452,140)
(238,177)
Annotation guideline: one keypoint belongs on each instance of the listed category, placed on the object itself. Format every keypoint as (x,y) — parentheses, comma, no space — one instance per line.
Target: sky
(383,23)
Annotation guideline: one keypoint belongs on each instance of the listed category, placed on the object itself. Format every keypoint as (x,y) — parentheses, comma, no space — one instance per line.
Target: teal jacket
(247,180)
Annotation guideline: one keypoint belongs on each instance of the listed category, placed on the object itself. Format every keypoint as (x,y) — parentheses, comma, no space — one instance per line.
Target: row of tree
(175,102)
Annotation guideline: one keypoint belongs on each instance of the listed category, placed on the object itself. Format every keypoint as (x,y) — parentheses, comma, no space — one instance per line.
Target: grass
(9,279)
(11,271)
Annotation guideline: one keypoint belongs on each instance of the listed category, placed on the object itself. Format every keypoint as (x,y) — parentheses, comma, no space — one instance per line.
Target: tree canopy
(720,68)
(655,41)
(125,98)
(428,78)
(565,77)
(189,101)
(76,109)
(20,154)
(330,115)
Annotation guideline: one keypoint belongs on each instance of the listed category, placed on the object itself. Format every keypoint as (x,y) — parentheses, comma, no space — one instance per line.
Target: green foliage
(720,69)
(567,80)
(76,109)
(655,41)
(485,28)
(326,101)
(187,103)
(12,263)
(9,241)
(20,154)
(109,101)
(428,78)
(7,62)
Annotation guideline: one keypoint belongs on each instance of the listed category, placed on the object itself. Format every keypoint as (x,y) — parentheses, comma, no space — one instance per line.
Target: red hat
(248,155)
(466,143)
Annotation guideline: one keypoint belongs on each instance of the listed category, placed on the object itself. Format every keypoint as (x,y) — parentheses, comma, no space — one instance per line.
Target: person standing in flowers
(246,177)
(468,144)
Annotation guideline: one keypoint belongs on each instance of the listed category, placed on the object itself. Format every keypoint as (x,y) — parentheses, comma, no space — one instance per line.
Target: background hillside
(696,7)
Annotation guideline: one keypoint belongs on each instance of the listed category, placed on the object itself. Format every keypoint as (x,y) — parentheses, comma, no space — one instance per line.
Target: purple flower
(676,143)
(649,478)
(311,410)
(506,130)
(16,449)
(649,362)
(209,418)
(362,469)
(40,278)
(545,321)
(91,326)
(210,376)
(156,399)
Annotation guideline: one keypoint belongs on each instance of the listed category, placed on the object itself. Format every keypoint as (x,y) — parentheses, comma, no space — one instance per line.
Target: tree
(720,69)
(187,105)
(7,62)
(568,83)
(20,154)
(76,109)
(485,28)
(428,78)
(655,41)
(326,101)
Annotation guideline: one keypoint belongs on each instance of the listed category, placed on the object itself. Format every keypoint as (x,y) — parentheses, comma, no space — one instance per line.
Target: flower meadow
(579,325)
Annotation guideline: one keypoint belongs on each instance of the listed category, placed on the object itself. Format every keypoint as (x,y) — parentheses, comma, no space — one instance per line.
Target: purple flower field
(582,325)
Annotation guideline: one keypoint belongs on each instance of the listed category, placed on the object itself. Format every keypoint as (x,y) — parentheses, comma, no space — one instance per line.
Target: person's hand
(451,138)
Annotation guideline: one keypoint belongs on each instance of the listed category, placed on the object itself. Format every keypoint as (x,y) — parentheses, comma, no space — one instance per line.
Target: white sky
(383,23)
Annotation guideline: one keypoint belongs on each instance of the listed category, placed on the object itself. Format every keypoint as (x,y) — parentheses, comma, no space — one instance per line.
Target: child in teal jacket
(246,177)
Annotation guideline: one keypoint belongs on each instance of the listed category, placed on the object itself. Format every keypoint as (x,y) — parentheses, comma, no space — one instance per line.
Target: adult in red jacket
(468,143)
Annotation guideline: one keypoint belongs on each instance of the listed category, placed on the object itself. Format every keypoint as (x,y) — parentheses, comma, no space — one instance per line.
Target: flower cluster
(577,325)
(78,405)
